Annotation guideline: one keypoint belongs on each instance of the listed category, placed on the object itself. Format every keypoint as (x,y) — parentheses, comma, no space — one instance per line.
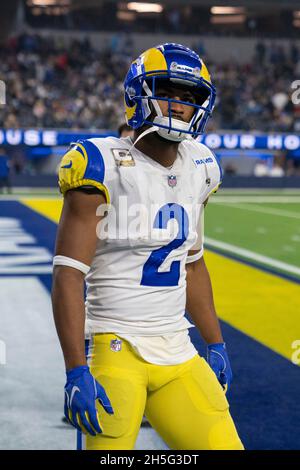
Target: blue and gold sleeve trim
(83,165)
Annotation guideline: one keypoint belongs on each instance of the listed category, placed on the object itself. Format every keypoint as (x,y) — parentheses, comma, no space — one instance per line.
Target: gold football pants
(184,403)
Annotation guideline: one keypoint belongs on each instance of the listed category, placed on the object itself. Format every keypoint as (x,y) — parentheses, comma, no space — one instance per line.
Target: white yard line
(256,191)
(255,199)
(253,256)
(264,210)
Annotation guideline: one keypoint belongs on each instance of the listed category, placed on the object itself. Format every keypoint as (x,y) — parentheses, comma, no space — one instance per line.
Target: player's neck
(161,150)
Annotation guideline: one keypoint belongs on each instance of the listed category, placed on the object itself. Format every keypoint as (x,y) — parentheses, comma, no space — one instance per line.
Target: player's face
(178,110)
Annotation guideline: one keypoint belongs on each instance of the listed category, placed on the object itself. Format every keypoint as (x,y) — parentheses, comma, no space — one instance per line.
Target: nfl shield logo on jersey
(172,181)
(116,345)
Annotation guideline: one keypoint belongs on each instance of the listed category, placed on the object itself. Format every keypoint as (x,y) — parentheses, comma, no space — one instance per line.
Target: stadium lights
(228,19)
(48,3)
(41,3)
(227,10)
(145,7)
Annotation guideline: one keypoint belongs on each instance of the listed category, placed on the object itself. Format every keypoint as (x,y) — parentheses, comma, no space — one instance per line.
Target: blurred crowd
(51,85)
(259,96)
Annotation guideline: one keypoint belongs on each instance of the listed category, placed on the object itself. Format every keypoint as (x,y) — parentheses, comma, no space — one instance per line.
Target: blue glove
(218,360)
(81,393)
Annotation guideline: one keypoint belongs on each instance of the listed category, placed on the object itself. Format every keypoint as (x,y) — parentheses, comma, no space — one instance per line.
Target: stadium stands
(53,85)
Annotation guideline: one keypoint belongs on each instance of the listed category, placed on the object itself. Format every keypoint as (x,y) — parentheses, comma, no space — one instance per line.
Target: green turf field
(259,226)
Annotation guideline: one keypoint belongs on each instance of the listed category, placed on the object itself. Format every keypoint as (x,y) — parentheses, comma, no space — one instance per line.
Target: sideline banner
(230,141)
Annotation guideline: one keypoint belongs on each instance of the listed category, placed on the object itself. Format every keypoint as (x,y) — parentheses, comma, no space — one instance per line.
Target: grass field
(262,227)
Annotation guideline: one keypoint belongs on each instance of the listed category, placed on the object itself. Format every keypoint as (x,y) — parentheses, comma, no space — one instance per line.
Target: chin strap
(154,129)
(146,132)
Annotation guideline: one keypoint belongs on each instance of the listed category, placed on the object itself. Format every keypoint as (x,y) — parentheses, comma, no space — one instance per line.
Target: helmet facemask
(170,127)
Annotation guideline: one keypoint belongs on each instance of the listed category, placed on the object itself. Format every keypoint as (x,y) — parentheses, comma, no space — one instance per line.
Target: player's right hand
(81,393)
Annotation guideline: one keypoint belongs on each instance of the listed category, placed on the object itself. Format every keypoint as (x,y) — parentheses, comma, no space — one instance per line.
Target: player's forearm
(69,313)
(200,303)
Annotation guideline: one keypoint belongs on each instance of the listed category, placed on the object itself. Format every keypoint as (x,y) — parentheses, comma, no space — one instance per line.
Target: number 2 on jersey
(151,276)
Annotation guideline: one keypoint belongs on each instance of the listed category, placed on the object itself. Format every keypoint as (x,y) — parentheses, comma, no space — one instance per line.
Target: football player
(131,227)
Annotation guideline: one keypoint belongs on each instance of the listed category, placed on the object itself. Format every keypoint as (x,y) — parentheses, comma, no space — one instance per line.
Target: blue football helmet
(176,65)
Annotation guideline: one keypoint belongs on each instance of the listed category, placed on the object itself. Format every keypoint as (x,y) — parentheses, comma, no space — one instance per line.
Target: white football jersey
(137,281)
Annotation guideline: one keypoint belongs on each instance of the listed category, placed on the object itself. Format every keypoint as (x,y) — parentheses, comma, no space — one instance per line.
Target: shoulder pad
(82,165)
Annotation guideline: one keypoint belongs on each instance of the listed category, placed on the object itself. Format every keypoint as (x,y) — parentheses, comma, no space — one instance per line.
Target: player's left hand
(218,360)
